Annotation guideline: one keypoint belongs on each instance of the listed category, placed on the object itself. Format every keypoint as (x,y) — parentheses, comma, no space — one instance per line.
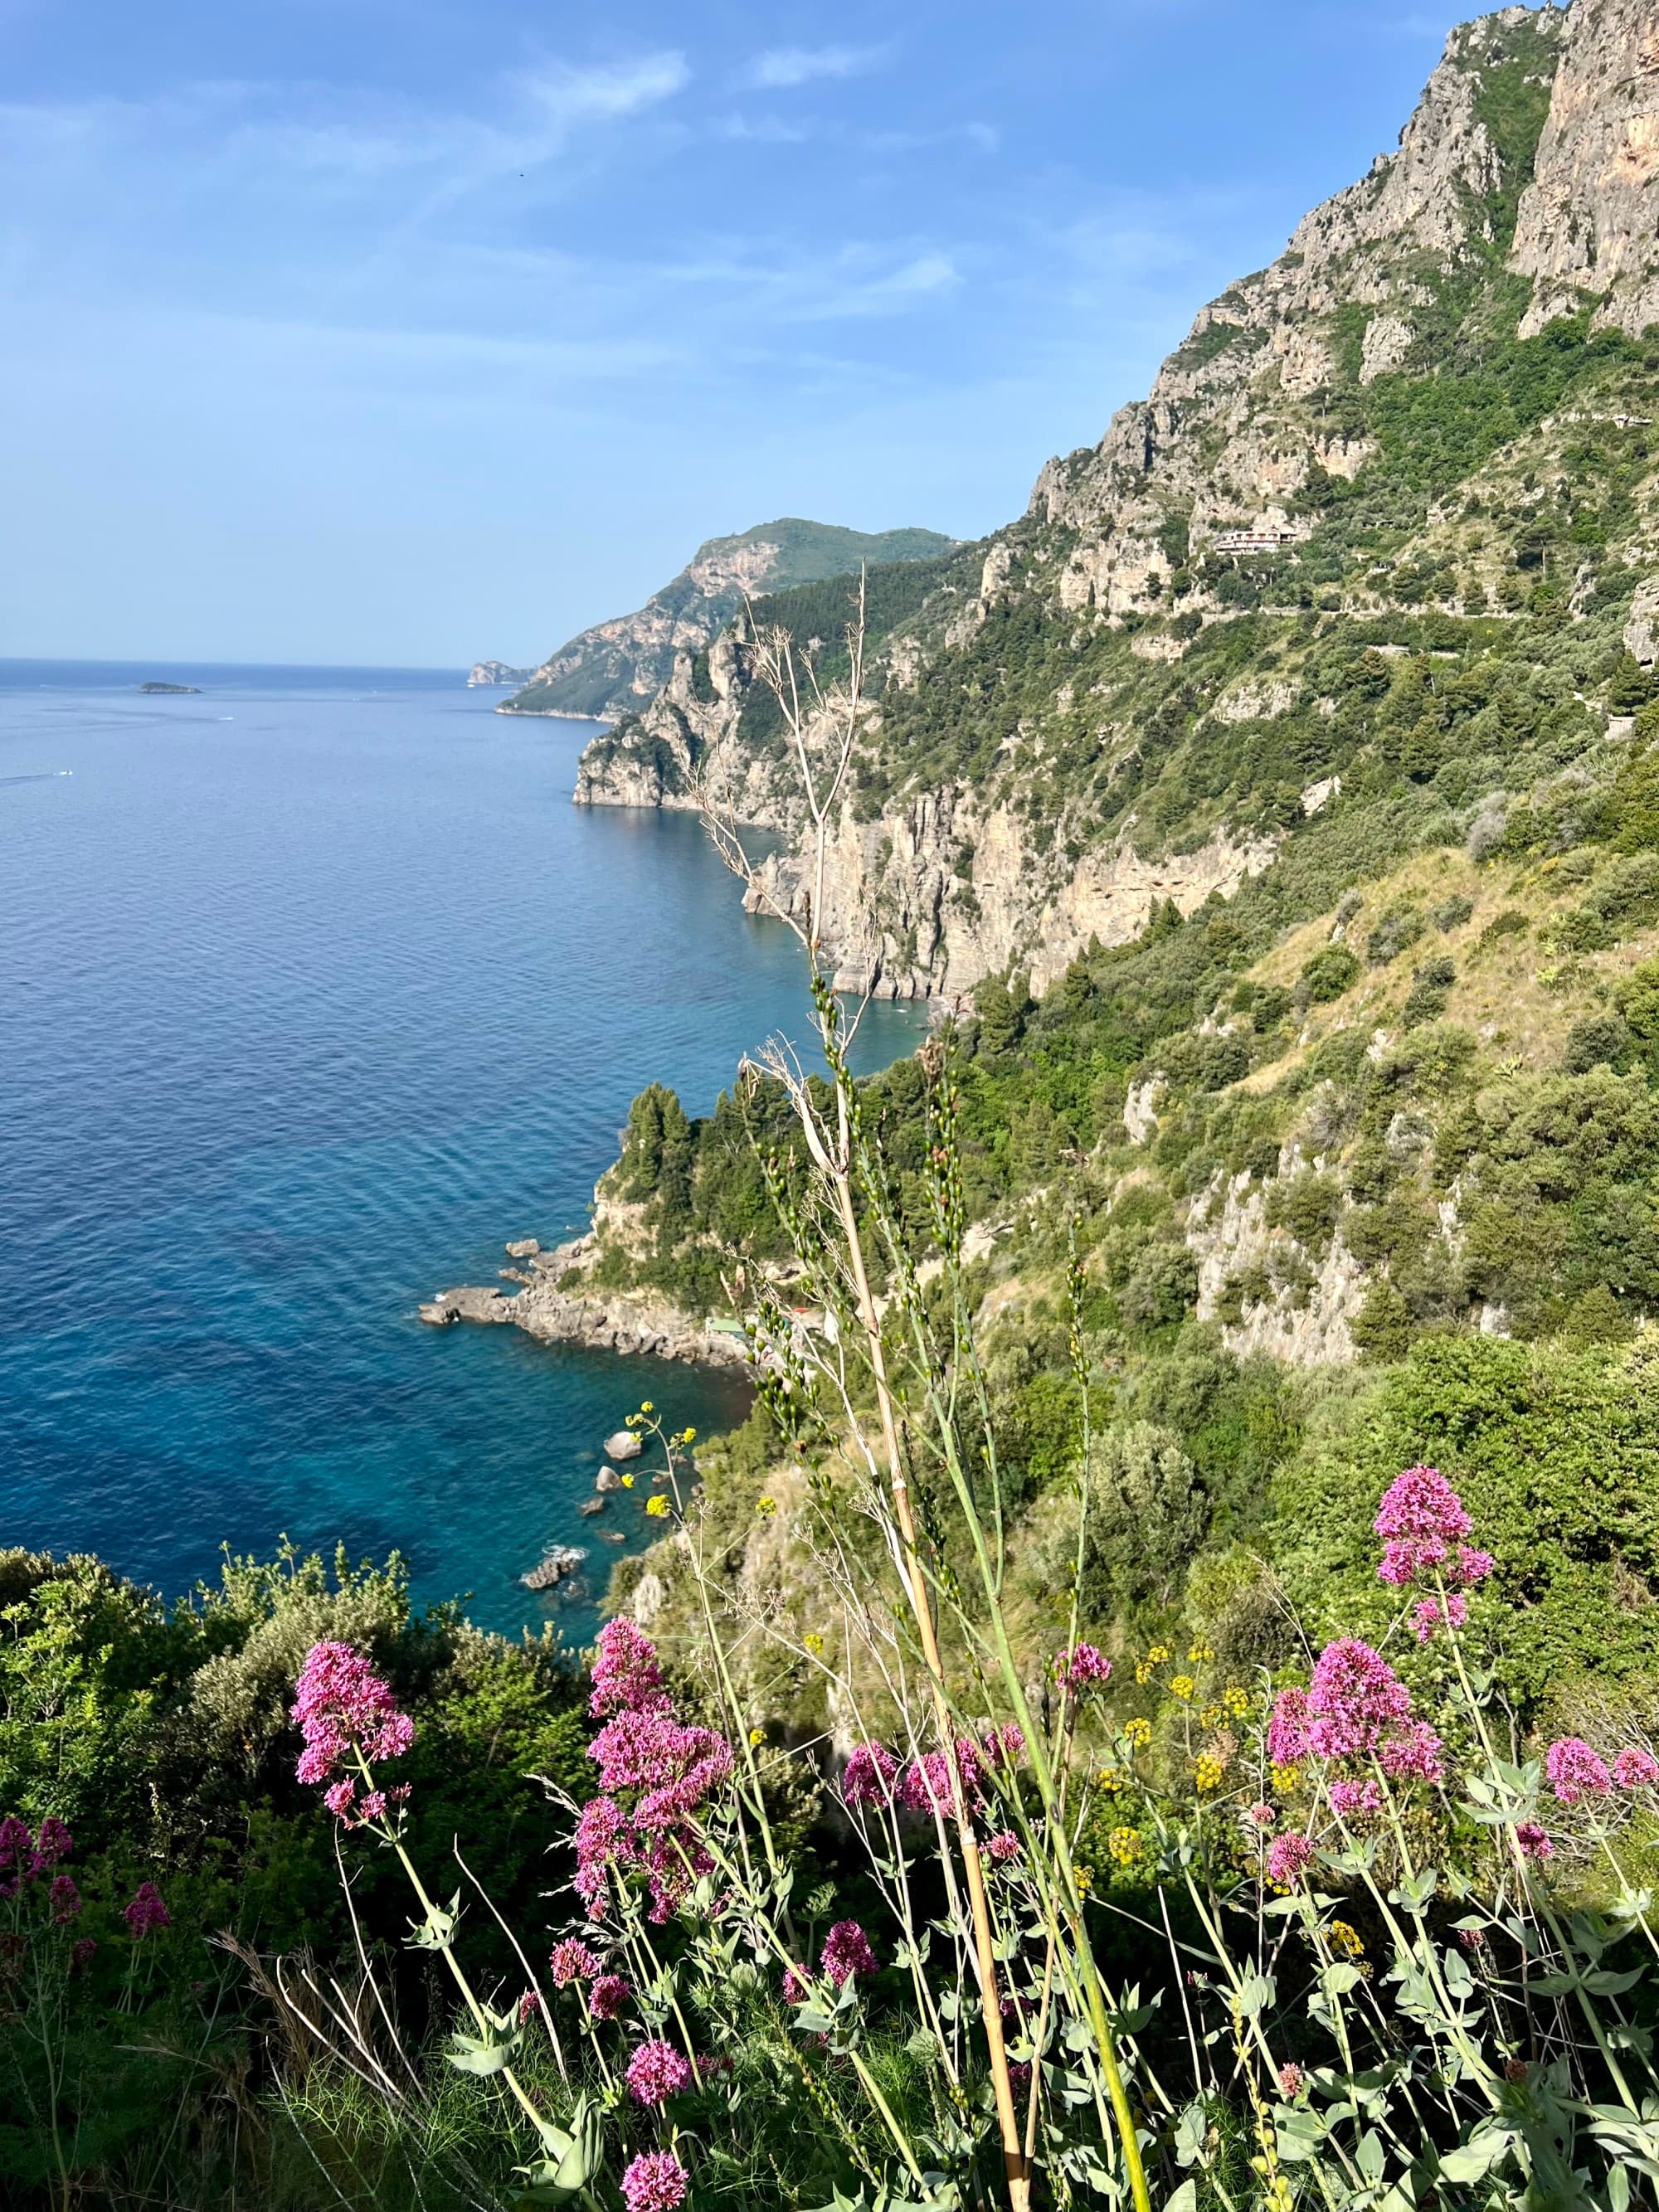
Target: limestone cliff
(617,666)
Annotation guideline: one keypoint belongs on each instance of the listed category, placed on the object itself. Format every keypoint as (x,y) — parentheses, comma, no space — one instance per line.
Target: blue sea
(314,990)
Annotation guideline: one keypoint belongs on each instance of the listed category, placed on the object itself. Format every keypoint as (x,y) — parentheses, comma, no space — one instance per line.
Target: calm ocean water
(315,990)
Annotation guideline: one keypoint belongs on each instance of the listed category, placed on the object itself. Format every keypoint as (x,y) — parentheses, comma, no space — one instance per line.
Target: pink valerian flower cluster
(1287,1728)
(846,1952)
(867,1776)
(342,1800)
(655,2181)
(1291,2079)
(1575,1771)
(52,1841)
(1532,1842)
(1289,1858)
(1082,1669)
(668,1770)
(871,1775)
(1432,1613)
(1002,1848)
(1423,1524)
(1636,1769)
(625,1675)
(571,1961)
(342,1707)
(656,2071)
(30,1856)
(608,1997)
(1356,1707)
(1261,1815)
(147,1914)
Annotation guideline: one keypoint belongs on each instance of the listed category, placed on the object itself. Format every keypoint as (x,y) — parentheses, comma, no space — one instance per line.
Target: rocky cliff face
(1587,222)
(1256,476)
(618,666)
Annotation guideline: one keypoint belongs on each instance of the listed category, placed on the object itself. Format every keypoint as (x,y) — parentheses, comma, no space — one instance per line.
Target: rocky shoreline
(556,1303)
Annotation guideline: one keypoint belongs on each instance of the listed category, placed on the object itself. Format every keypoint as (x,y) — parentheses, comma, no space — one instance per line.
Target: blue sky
(408,330)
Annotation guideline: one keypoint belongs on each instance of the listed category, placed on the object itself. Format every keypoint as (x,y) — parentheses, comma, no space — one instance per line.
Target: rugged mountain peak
(1588,222)
(1236,422)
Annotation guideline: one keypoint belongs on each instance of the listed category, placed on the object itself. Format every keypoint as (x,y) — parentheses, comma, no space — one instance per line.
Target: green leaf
(484,2054)
(1469,2161)
(1257,1993)
(1184,2200)
(437,1931)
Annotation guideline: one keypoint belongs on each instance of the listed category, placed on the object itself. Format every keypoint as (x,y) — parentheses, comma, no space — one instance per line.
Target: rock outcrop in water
(558,1305)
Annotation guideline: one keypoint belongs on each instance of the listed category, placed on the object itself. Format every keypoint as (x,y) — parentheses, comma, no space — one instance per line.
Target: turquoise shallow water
(313,990)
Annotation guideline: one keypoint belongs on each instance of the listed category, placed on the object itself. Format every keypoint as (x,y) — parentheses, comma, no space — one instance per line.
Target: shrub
(1331,971)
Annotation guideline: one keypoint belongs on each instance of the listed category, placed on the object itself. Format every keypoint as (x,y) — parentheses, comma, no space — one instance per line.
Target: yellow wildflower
(1111,1777)
(688,1436)
(1182,1687)
(628,1482)
(1139,1733)
(1286,1777)
(766,1507)
(1209,1717)
(1159,1653)
(1124,1844)
(1143,1672)
(1208,1772)
(1236,1701)
(1085,1880)
(1346,1940)
(645,1405)
(757,1736)
(1200,1655)
(656,1506)
(814,1644)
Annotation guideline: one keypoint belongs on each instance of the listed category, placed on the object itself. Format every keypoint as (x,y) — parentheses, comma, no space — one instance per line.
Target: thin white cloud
(568,97)
(781,69)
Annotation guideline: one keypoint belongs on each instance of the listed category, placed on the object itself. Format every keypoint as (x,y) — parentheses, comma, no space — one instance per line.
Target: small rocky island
(192,690)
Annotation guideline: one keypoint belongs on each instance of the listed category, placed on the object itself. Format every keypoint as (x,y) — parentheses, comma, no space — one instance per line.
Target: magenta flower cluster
(147,1913)
(608,1997)
(625,1675)
(867,1776)
(26,1856)
(1577,1771)
(655,2071)
(1082,1669)
(571,1961)
(665,1769)
(846,1952)
(342,1709)
(1424,1525)
(655,2181)
(1356,1707)
(1289,1858)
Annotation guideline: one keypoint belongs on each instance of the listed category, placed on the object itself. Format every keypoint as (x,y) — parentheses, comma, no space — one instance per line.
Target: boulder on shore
(556,1562)
(607,1479)
(591,1505)
(527,1248)
(623,1445)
